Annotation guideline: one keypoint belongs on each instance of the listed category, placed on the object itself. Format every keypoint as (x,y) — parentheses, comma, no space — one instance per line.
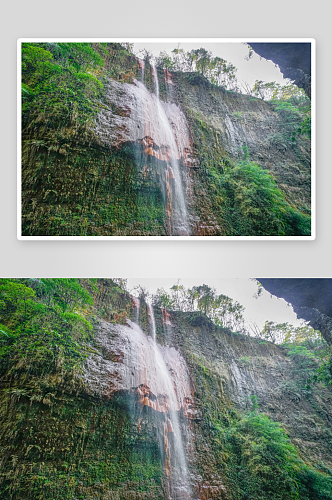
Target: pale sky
(265,308)
(235,53)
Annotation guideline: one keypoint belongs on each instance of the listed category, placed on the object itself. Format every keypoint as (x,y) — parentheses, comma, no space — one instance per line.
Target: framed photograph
(166,139)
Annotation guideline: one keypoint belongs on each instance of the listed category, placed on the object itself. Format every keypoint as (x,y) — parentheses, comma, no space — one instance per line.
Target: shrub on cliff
(263,464)
(59,82)
(254,205)
(43,328)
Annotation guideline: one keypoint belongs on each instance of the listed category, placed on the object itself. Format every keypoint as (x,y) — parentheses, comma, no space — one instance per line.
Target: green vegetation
(59,81)
(43,327)
(307,349)
(274,91)
(291,103)
(254,452)
(242,197)
(59,441)
(312,358)
(222,310)
(295,117)
(56,440)
(62,82)
(252,204)
(89,192)
(73,186)
(262,463)
(65,446)
(215,69)
(287,333)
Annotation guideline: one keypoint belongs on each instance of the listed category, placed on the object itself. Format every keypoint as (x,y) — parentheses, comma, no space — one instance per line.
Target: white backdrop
(99,18)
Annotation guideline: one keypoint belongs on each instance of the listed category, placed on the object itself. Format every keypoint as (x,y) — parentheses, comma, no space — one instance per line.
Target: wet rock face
(223,123)
(237,120)
(294,60)
(240,367)
(126,360)
(154,129)
(243,366)
(156,380)
(206,126)
(233,367)
(131,114)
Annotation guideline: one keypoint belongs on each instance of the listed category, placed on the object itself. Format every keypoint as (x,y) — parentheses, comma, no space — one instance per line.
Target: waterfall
(176,206)
(158,379)
(141,64)
(152,320)
(167,325)
(135,116)
(175,396)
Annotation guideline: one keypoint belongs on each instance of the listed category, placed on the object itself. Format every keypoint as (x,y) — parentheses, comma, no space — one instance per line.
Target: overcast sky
(257,310)
(235,53)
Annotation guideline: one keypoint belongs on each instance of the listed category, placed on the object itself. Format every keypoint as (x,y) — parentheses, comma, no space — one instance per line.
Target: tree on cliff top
(279,333)
(215,69)
(222,310)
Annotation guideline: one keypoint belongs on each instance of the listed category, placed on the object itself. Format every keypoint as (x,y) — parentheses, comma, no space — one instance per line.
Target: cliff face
(248,366)
(158,159)
(147,404)
(224,124)
(224,372)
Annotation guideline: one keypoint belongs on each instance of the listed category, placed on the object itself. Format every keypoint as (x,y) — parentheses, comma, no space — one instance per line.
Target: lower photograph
(166,389)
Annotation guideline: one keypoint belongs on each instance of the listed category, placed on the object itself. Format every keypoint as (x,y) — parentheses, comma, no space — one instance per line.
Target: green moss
(88,191)
(243,197)
(56,441)
(254,205)
(264,464)
(252,452)
(73,447)
(226,187)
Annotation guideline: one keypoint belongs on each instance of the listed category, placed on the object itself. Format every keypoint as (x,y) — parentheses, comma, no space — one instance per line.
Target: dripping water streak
(141,63)
(136,302)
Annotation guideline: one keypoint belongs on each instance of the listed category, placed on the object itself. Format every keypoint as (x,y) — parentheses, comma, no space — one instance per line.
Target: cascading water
(158,129)
(178,477)
(156,381)
(176,207)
